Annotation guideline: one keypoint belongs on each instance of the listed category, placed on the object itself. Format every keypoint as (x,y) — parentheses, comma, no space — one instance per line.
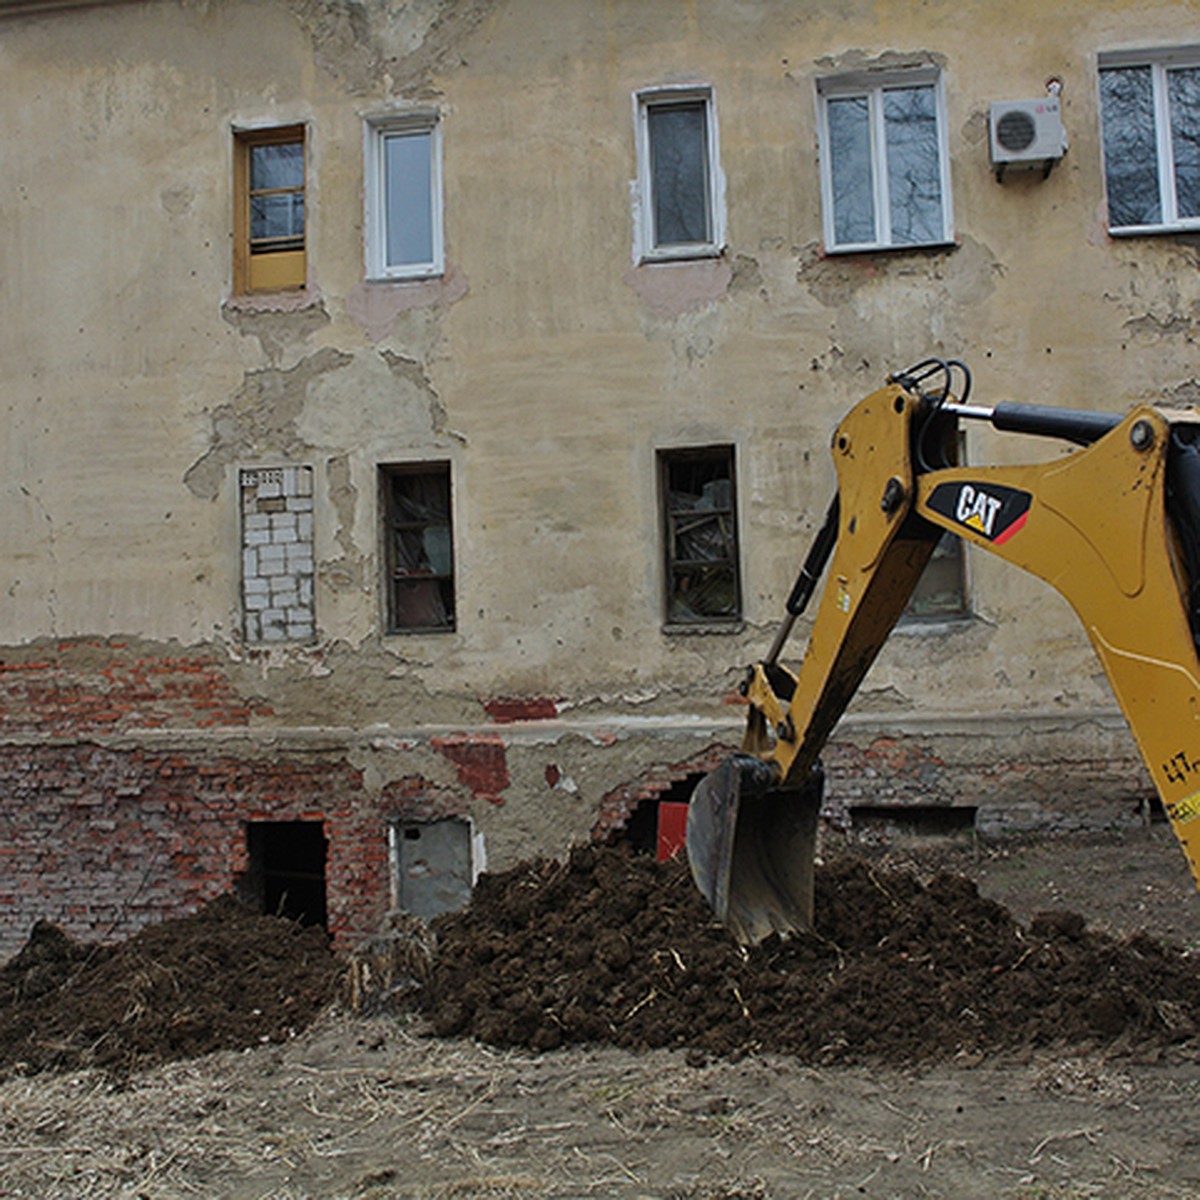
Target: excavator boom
(1114,527)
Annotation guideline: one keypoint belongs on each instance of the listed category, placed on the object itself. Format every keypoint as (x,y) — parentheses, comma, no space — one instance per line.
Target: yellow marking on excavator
(1185,810)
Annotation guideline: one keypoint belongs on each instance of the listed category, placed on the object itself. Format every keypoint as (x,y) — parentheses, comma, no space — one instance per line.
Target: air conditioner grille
(1015,130)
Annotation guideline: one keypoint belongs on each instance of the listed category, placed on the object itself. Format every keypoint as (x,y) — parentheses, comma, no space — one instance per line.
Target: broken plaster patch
(672,288)
(277,328)
(348,572)
(409,44)
(374,307)
(412,372)
(261,419)
(854,61)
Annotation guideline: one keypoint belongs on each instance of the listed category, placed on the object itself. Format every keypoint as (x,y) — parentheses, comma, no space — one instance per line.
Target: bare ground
(378,1109)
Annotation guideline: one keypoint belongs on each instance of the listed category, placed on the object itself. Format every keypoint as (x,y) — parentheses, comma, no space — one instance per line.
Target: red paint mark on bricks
(481,761)
(506,709)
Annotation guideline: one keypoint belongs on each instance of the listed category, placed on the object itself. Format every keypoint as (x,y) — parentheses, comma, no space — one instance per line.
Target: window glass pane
(942,590)
(913,170)
(277,165)
(277,215)
(679,173)
(701,538)
(408,190)
(420,550)
(1130,154)
(850,170)
(1183,91)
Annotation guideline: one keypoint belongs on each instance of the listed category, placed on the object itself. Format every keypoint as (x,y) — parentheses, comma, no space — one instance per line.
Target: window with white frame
(1150,120)
(885,170)
(681,209)
(404,198)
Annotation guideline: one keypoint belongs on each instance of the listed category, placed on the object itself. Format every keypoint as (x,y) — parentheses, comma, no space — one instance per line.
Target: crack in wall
(413,373)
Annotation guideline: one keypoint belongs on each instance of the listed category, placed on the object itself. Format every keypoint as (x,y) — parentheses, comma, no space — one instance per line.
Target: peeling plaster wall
(543,366)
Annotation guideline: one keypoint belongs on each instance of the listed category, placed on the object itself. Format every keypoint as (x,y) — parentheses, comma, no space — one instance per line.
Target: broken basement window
(698,494)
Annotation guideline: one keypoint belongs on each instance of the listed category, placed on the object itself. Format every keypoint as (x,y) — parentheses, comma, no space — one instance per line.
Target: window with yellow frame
(268,219)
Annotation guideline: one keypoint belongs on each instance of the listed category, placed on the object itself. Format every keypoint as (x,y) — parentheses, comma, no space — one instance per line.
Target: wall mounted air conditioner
(1026,133)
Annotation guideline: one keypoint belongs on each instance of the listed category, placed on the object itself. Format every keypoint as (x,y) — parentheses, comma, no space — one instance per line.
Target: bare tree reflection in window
(849,124)
(1183,91)
(914,174)
(1130,149)
(679,173)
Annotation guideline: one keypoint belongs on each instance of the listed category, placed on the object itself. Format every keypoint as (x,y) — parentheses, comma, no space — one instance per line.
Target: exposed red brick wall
(505,709)
(103,841)
(617,805)
(481,760)
(80,687)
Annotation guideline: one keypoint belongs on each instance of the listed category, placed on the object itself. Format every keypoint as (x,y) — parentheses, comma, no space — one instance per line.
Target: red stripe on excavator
(1012,530)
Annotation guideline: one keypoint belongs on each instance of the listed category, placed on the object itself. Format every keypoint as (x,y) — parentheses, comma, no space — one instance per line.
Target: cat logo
(991,510)
(977,510)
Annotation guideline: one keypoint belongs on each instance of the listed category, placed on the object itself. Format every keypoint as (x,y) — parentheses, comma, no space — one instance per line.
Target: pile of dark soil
(223,979)
(609,948)
(622,950)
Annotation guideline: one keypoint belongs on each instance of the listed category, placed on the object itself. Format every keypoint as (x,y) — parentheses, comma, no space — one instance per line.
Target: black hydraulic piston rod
(810,573)
(1071,424)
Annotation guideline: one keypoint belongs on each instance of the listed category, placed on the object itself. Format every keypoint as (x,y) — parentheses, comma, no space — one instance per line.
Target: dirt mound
(222,979)
(623,950)
(608,948)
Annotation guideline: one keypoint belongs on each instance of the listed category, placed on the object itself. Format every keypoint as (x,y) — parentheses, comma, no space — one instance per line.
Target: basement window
(703,583)
(419,547)
(287,869)
(269,210)
(883,821)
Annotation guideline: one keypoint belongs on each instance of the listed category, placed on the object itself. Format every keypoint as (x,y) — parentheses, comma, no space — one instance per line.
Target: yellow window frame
(264,270)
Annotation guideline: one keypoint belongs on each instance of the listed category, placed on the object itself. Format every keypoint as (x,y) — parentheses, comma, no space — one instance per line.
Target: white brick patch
(277,554)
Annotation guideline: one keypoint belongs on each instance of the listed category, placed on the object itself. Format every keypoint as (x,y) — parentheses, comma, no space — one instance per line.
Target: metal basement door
(433,866)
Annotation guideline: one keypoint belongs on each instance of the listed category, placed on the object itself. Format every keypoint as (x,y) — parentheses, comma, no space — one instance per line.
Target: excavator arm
(1110,526)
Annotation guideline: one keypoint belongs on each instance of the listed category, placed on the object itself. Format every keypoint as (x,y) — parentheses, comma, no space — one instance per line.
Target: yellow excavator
(1113,525)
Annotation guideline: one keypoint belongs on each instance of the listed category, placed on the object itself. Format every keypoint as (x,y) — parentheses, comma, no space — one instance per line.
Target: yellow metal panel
(275,272)
(1097,530)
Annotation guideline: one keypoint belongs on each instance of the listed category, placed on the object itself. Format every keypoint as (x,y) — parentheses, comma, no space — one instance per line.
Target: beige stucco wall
(545,366)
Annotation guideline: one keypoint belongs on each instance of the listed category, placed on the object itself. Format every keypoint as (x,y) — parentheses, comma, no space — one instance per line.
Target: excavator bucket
(752,848)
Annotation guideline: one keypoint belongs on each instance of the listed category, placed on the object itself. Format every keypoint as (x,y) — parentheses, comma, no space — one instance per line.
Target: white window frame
(377,131)
(873,86)
(645,248)
(1159,62)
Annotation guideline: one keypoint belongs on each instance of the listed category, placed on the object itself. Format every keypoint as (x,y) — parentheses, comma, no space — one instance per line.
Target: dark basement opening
(287,869)
(658,826)
(912,820)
